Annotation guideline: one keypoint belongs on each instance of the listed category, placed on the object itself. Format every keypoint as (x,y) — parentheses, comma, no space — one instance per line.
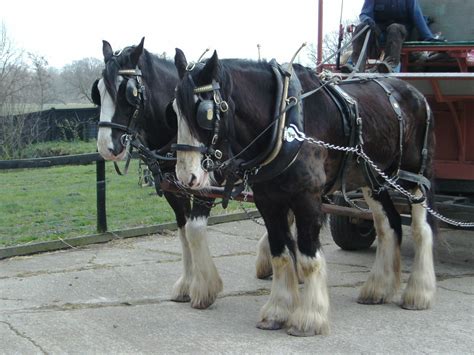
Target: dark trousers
(394,36)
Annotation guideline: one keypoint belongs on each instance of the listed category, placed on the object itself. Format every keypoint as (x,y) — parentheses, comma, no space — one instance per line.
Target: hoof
(270,325)
(181,299)
(412,307)
(369,301)
(416,305)
(293,331)
(264,275)
(202,304)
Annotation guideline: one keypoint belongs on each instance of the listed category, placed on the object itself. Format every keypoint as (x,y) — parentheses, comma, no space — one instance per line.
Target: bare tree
(331,41)
(13,72)
(79,76)
(40,88)
(16,82)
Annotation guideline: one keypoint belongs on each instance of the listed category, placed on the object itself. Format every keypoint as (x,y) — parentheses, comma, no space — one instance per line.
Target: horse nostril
(115,151)
(192,180)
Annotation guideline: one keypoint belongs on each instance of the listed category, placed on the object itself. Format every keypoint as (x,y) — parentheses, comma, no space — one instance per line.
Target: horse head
(120,95)
(203,107)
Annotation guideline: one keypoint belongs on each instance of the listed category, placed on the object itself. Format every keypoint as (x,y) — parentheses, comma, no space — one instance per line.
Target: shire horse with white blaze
(134,94)
(393,126)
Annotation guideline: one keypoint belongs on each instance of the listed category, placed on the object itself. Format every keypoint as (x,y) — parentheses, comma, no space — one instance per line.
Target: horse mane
(229,76)
(147,63)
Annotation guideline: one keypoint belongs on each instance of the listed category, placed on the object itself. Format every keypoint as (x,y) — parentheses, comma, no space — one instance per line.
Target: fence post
(101,210)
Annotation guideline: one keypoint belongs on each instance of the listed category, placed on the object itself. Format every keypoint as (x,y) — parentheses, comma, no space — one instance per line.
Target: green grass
(60,202)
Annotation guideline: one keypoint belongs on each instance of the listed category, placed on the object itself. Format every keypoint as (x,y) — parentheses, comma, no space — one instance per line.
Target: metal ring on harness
(223,106)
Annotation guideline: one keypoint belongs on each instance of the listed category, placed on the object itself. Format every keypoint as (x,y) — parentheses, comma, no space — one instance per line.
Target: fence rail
(78,159)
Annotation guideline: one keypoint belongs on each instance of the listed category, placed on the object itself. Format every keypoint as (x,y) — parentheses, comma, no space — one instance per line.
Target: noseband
(208,118)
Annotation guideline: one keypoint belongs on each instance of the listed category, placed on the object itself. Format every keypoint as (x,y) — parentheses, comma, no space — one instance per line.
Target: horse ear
(180,62)
(137,52)
(211,70)
(107,50)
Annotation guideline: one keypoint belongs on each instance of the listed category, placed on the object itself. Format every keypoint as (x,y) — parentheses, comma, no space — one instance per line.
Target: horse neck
(159,79)
(254,98)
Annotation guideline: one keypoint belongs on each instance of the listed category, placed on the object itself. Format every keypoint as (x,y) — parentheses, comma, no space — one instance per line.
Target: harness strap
(396,107)
(188,148)
(116,126)
(362,52)
(424,151)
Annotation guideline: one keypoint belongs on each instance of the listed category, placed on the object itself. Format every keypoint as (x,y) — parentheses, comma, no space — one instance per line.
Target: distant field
(60,202)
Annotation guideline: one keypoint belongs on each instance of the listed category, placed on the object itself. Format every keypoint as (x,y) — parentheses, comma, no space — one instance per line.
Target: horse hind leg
(384,278)
(284,291)
(421,287)
(263,264)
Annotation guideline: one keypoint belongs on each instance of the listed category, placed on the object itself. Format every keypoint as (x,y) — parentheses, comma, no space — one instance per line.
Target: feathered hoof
(420,293)
(416,303)
(181,291)
(309,331)
(376,293)
(293,331)
(270,325)
(204,302)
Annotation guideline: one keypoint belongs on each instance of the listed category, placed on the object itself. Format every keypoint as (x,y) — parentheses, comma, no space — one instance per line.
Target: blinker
(205,115)
(131,93)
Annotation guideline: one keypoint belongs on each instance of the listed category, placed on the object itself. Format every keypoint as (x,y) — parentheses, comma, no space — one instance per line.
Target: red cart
(448,84)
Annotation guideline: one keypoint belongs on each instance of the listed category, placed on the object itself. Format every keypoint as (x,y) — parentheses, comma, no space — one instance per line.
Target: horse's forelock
(110,76)
(187,105)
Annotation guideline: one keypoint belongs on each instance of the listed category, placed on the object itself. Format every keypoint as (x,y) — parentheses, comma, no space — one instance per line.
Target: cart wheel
(350,235)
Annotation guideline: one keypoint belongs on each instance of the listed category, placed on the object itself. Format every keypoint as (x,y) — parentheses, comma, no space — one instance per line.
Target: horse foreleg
(311,317)
(421,288)
(284,292)
(384,278)
(181,287)
(181,208)
(206,282)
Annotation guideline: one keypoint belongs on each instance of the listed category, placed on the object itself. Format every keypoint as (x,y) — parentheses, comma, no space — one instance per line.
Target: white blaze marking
(188,163)
(107,110)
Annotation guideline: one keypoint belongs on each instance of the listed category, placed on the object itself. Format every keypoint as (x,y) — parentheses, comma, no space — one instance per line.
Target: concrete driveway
(114,298)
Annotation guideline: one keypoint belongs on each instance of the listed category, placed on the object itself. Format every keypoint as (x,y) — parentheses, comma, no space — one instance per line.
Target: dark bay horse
(133,93)
(395,131)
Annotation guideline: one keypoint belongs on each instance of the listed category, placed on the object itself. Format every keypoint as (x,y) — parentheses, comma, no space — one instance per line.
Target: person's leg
(396,34)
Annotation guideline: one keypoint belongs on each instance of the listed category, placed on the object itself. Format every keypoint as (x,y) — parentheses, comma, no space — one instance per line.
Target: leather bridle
(209,118)
(137,91)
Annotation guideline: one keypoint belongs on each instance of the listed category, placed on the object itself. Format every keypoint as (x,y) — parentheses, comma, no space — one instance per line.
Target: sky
(64,31)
